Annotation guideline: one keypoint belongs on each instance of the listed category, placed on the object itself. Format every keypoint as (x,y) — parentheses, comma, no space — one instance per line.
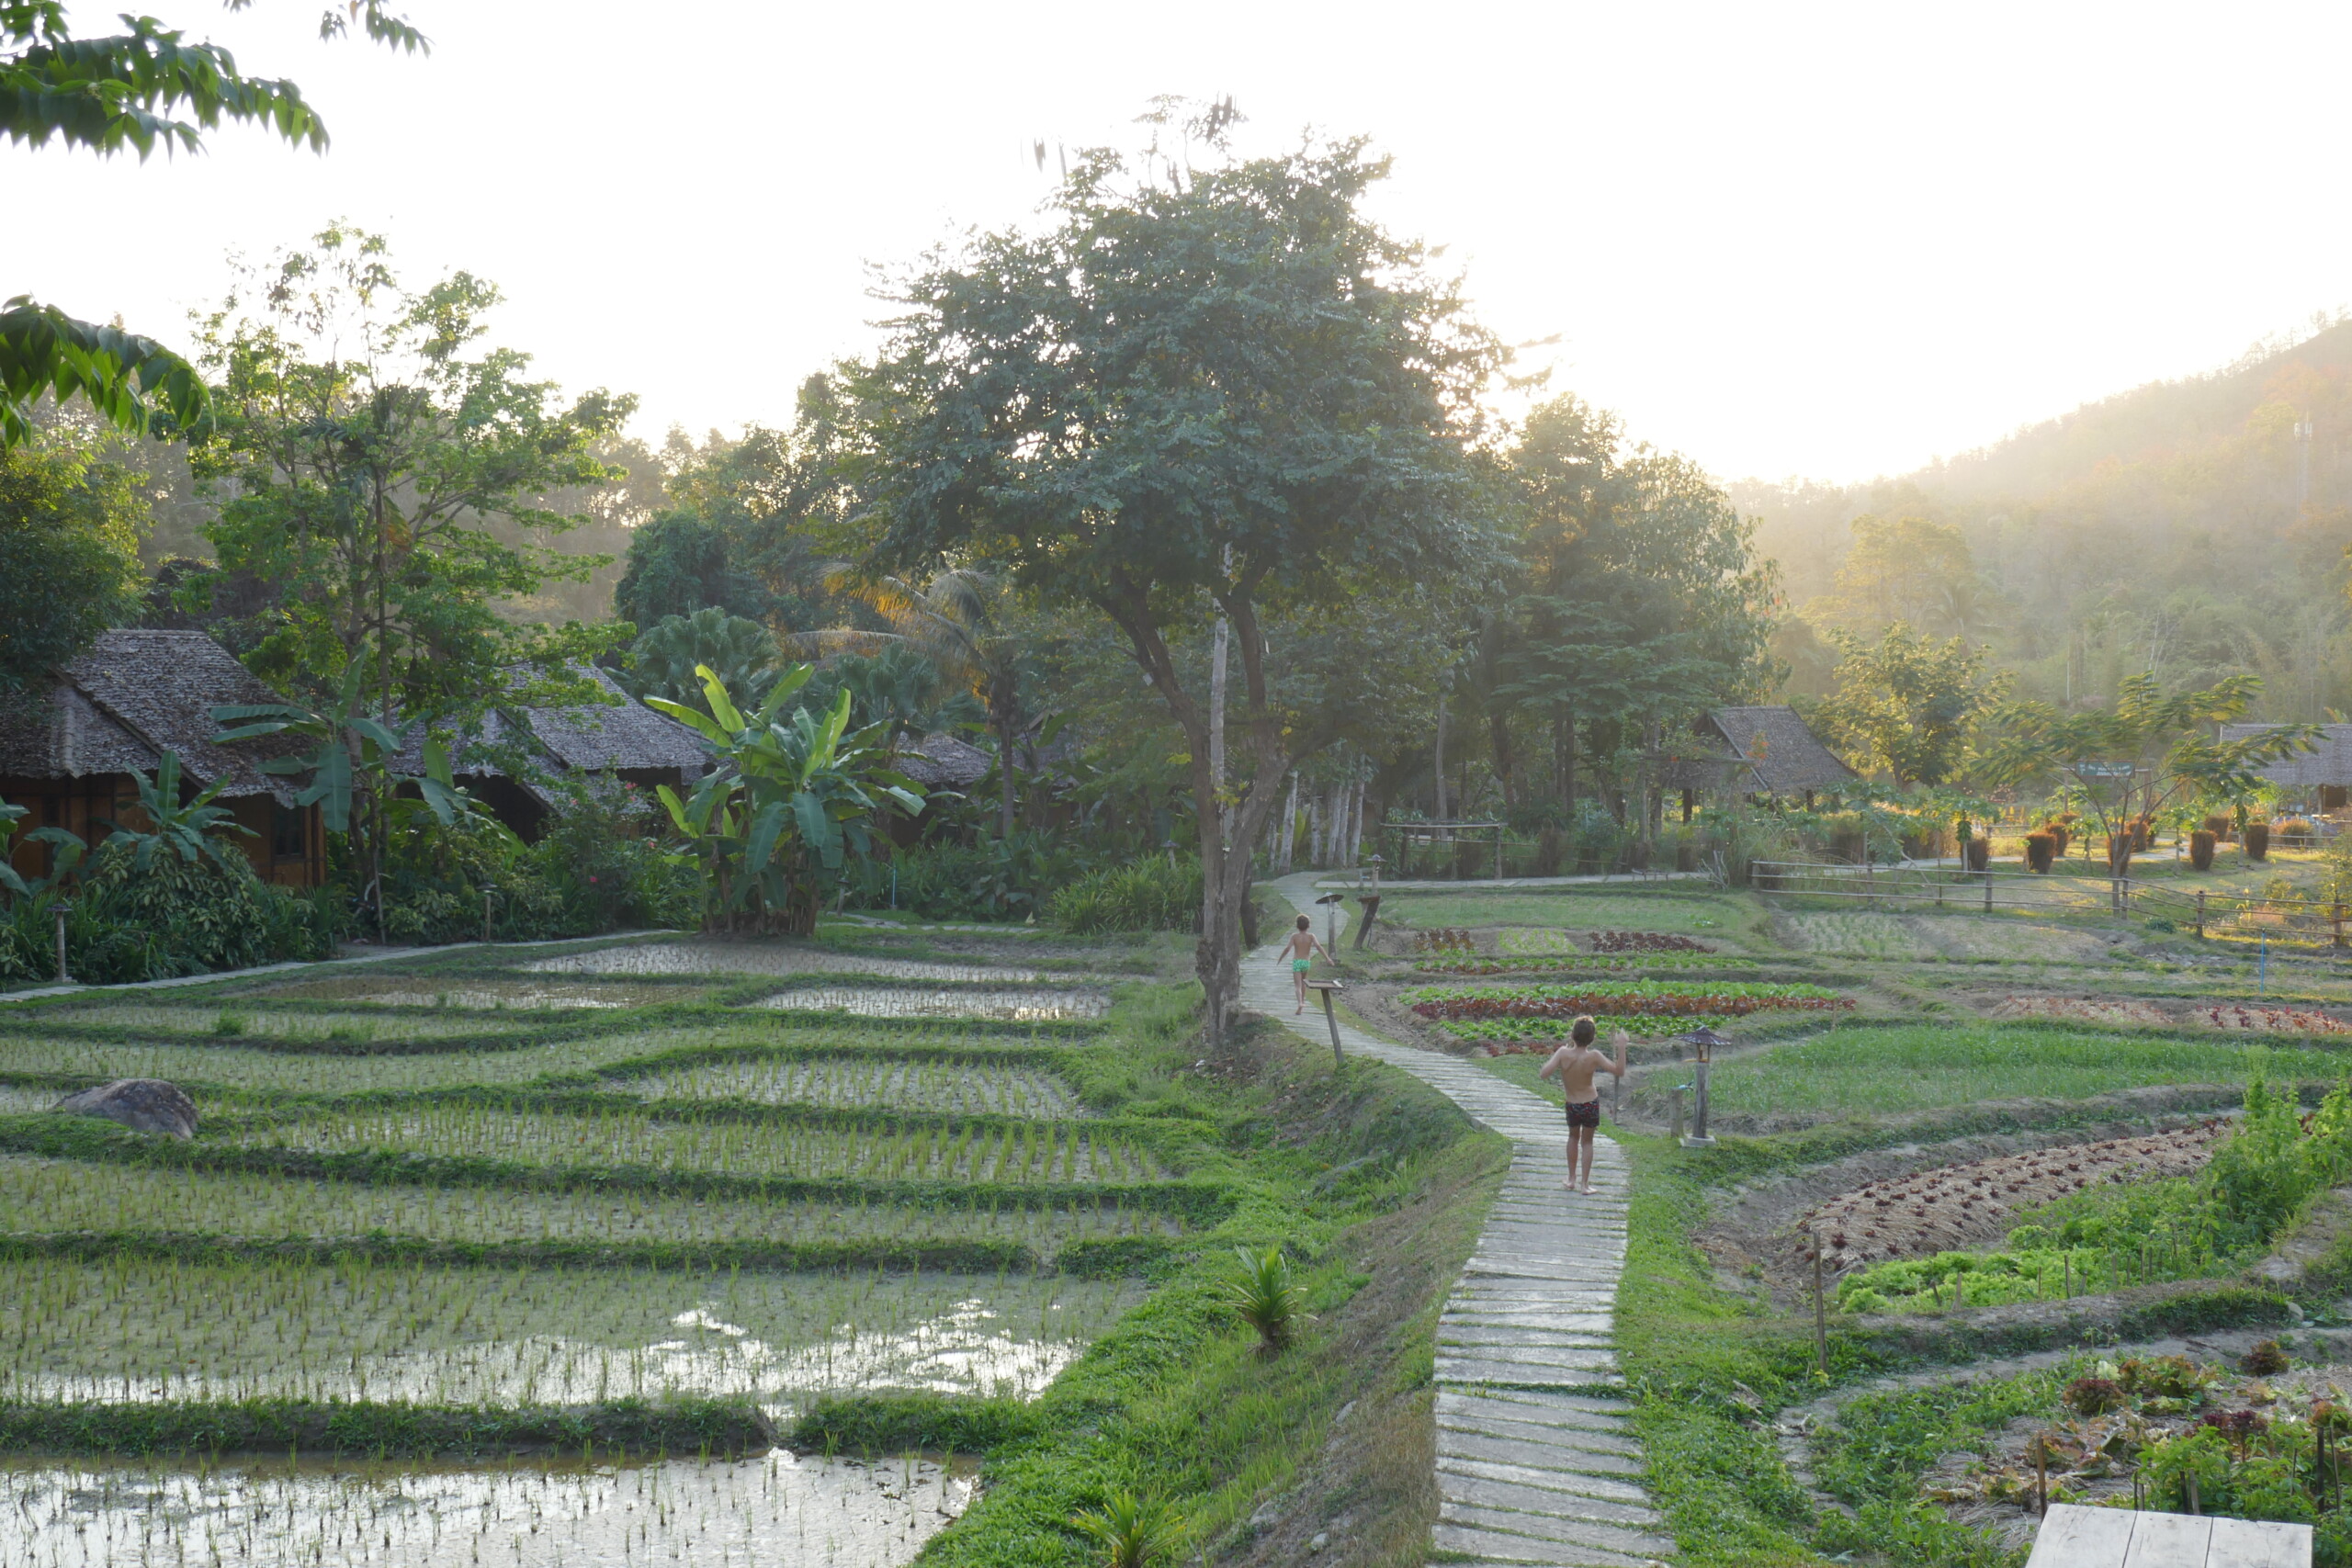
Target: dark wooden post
(1370,902)
(1820,1308)
(2201,914)
(1329,1018)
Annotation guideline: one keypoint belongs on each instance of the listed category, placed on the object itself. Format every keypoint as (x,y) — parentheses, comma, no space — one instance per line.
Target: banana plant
(791,799)
(63,863)
(190,828)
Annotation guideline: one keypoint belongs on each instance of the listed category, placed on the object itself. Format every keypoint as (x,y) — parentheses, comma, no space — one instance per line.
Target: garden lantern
(1331,902)
(64,907)
(1704,1041)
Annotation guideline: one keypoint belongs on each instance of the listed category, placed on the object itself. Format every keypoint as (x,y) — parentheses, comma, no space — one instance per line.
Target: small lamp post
(1704,1040)
(488,892)
(1325,989)
(64,908)
(1331,902)
(1170,845)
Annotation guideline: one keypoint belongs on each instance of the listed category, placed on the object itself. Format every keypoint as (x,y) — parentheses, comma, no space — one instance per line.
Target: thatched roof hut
(68,751)
(622,737)
(2323,771)
(1782,754)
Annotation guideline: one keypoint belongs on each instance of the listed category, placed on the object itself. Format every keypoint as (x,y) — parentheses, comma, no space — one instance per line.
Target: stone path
(1537,1460)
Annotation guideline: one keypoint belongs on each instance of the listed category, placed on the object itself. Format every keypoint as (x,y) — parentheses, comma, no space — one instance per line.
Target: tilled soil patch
(2236,1016)
(1965,1205)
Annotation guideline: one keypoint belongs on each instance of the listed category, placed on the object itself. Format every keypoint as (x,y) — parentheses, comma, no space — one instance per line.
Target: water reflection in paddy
(767,958)
(813,1513)
(1037,1006)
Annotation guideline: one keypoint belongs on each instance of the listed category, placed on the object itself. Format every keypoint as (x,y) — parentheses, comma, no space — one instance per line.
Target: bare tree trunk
(1288,837)
(1004,779)
(1438,769)
(1355,820)
(1217,699)
(1506,763)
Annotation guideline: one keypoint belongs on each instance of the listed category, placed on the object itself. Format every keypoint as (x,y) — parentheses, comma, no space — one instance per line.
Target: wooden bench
(2076,1536)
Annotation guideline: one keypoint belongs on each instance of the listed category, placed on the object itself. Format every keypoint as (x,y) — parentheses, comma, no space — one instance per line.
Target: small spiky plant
(1265,1298)
(1132,1532)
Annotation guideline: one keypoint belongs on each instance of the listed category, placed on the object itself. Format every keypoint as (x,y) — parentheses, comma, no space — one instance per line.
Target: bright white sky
(1789,239)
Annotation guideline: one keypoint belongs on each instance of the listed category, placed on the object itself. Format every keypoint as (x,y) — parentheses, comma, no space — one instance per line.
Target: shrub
(2200,848)
(2040,848)
(1144,894)
(2294,829)
(2219,826)
(2061,831)
(2258,841)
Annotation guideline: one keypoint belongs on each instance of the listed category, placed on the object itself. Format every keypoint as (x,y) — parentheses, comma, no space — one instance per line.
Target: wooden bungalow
(2322,775)
(68,751)
(507,760)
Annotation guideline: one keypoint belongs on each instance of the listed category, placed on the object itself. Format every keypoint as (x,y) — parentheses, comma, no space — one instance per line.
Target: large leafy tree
(69,552)
(137,90)
(365,442)
(1639,600)
(1230,394)
(1908,704)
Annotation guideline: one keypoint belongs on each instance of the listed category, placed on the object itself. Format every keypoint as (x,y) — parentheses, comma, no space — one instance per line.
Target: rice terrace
(947,810)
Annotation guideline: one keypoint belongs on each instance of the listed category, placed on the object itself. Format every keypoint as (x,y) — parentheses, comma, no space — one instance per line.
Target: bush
(1144,894)
(2040,848)
(2258,841)
(176,917)
(2294,829)
(995,879)
(2200,848)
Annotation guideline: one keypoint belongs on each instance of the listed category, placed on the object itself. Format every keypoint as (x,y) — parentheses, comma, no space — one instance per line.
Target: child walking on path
(1574,1064)
(1300,950)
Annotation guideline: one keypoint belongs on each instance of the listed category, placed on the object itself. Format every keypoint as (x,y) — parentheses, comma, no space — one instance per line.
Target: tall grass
(1144,894)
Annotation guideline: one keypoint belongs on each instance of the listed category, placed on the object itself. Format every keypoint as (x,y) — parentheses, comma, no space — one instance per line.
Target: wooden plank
(2077,1537)
(2249,1543)
(2168,1540)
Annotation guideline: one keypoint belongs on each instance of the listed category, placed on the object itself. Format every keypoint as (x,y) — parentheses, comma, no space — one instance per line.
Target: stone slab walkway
(1536,1458)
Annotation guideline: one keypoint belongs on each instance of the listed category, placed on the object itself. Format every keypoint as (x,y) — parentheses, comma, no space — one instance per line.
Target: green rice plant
(1262,1296)
(51,1197)
(1691,914)
(229,1023)
(589,1141)
(1134,1532)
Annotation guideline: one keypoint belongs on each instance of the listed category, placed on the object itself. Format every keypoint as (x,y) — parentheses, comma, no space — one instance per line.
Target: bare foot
(1588,1187)
(1569,1185)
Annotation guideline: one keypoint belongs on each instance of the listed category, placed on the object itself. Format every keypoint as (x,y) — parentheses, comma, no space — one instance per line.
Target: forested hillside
(2190,527)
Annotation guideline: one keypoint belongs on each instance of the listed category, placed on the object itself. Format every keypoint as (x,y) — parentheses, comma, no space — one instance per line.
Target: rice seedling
(890,1001)
(599,1141)
(1954,938)
(132,1329)
(767,958)
(896,1083)
(1134,1532)
(813,1512)
(251,1020)
(45,1197)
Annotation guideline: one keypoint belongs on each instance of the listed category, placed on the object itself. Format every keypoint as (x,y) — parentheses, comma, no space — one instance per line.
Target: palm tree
(954,620)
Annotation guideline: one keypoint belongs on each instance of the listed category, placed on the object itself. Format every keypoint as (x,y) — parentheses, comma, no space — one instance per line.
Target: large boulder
(143,1105)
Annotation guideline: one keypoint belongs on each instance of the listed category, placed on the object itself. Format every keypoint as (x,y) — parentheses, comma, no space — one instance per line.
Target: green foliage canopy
(69,553)
(139,89)
(1227,395)
(1908,704)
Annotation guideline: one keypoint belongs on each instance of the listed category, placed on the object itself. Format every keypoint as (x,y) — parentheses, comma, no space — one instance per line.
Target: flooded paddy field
(704,957)
(1029,1006)
(480,993)
(894,1084)
(468,1189)
(134,1330)
(773,1509)
(40,1196)
(229,1019)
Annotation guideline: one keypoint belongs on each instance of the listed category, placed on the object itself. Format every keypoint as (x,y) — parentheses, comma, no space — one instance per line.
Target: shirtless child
(1575,1063)
(1300,950)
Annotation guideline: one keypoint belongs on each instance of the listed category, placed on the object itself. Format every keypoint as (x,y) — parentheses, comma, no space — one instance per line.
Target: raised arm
(1552,1064)
(1622,1042)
